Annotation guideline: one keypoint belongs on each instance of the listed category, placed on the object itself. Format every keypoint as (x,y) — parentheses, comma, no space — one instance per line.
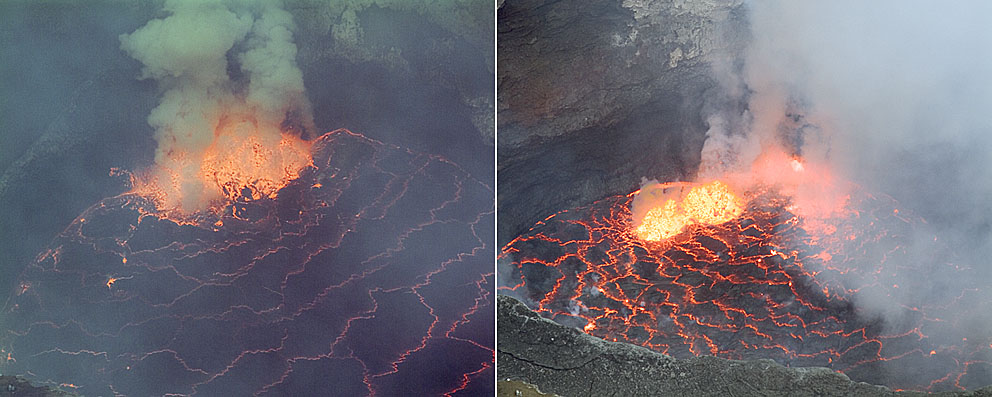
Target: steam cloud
(188,53)
(892,95)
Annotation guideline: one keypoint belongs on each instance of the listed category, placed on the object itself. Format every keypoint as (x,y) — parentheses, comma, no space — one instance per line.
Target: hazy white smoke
(276,84)
(187,52)
(893,95)
(726,149)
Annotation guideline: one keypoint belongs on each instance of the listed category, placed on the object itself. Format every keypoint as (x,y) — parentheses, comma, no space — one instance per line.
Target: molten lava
(245,162)
(709,204)
(248,166)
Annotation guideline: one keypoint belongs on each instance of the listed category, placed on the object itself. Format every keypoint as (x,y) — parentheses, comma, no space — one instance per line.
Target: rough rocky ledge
(20,387)
(565,361)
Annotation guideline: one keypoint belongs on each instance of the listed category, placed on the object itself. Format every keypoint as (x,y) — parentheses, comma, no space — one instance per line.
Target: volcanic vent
(746,276)
(356,277)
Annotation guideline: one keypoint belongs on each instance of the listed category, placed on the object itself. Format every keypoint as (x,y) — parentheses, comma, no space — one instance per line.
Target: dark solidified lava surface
(371,273)
(763,286)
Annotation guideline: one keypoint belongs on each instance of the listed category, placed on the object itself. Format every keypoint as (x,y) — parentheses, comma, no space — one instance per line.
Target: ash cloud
(189,53)
(892,95)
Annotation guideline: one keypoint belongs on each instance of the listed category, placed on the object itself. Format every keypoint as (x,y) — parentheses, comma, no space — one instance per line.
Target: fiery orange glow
(816,192)
(709,204)
(110,282)
(247,166)
(244,162)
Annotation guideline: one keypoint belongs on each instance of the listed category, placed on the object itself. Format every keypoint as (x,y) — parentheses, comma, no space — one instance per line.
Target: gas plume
(891,96)
(233,117)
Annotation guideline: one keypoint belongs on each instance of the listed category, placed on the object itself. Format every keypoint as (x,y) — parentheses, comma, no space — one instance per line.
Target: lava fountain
(708,204)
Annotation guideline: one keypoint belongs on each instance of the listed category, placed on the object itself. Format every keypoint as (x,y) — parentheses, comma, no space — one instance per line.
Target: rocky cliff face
(590,96)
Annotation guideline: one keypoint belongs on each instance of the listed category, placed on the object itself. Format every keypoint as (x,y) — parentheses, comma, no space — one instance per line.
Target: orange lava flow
(709,204)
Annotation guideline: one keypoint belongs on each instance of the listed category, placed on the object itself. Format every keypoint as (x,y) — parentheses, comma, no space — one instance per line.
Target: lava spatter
(357,277)
(766,284)
(712,203)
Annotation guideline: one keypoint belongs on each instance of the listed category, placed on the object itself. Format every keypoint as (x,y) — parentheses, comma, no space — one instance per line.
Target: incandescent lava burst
(243,163)
(766,271)
(357,277)
(709,204)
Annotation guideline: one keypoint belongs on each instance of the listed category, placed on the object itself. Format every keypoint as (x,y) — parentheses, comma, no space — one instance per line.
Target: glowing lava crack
(758,282)
(359,276)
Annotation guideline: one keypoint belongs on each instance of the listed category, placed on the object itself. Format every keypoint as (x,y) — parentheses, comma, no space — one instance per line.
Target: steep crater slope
(591,97)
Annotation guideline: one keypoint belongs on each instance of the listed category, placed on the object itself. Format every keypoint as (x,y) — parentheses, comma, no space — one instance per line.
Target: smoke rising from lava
(232,92)
(890,95)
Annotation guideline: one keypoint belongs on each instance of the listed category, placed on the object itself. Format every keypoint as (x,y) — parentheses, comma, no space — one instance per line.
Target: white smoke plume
(211,105)
(892,95)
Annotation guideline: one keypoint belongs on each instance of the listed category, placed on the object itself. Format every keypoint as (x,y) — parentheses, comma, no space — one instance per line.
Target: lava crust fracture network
(765,284)
(359,277)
